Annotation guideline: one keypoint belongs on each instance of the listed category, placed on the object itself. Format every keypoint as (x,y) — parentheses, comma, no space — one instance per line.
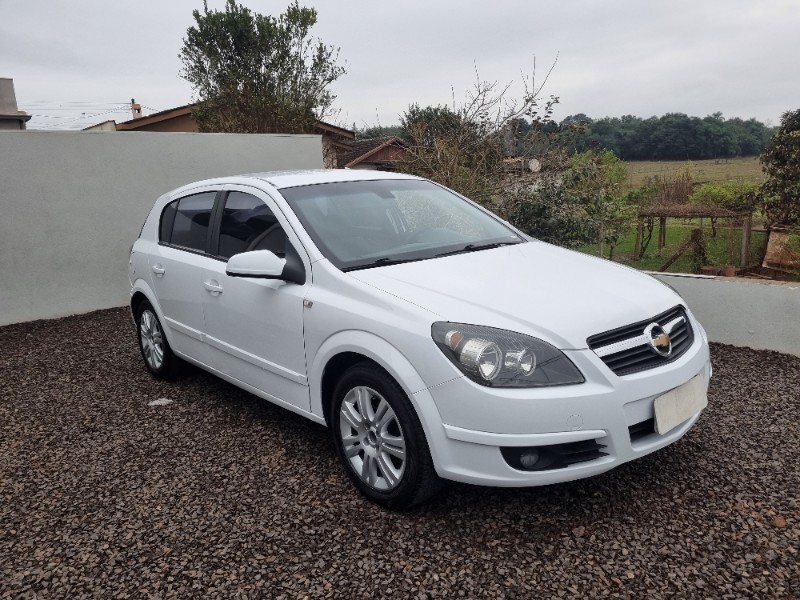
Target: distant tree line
(674,136)
(376,131)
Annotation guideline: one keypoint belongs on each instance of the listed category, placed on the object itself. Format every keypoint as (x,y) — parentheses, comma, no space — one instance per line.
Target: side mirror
(261,264)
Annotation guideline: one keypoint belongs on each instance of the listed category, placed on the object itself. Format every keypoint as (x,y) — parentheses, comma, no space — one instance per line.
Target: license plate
(677,405)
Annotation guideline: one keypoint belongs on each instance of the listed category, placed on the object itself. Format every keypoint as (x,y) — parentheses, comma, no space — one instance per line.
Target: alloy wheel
(152,340)
(372,438)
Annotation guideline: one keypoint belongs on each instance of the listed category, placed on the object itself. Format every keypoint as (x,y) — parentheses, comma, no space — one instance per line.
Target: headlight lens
(499,358)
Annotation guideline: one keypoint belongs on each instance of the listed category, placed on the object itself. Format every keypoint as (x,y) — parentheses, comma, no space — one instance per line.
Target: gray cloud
(614,57)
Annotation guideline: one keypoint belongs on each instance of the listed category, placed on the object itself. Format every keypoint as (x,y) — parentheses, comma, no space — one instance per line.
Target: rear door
(176,269)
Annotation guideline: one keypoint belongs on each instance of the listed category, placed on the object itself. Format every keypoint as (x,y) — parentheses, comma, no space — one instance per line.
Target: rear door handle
(212,286)
(158,270)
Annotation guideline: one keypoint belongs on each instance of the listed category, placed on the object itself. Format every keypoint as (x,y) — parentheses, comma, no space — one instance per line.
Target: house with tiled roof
(378,154)
(334,139)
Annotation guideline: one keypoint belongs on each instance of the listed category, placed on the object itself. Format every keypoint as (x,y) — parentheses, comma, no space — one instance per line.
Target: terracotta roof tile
(361,149)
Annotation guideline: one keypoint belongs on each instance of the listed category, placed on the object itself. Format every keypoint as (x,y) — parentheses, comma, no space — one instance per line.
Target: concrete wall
(72,203)
(744,312)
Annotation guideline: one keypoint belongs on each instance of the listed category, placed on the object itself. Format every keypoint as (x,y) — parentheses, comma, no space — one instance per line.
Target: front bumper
(609,410)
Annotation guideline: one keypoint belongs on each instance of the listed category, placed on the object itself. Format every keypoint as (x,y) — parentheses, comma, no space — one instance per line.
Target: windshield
(362,224)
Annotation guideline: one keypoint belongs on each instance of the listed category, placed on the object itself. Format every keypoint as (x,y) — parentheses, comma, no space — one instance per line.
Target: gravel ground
(220,494)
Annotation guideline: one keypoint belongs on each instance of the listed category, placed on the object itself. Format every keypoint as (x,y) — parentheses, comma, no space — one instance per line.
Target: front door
(254,327)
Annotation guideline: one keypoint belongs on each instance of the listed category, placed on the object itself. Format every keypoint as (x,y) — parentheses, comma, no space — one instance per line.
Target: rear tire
(379,439)
(156,353)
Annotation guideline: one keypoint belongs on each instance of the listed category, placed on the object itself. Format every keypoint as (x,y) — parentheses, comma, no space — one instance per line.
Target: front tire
(379,439)
(153,344)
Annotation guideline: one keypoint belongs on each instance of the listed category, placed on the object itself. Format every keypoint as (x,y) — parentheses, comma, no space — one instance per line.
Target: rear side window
(185,222)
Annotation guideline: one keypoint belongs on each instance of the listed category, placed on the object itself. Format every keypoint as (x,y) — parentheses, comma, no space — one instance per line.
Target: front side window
(249,224)
(185,222)
(362,224)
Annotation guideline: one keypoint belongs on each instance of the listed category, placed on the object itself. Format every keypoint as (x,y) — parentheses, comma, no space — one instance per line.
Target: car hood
(535,288)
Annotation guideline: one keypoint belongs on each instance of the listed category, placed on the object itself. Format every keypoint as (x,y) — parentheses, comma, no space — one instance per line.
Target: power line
(54,114)
(73,102)
(76,116)
(92,116)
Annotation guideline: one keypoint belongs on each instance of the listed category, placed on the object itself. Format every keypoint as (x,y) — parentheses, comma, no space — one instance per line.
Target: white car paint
(276,338)
(545,291)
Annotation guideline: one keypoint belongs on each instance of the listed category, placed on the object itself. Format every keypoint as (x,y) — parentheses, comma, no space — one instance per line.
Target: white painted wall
(744,312)
(71,204)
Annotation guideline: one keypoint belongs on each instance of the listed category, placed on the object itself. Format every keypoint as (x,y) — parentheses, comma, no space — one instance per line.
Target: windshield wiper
(476,248)
(388,260)
(381,262)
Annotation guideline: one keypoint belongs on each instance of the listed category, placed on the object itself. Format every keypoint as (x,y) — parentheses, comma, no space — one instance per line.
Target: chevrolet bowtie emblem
(662,341)
(659,340)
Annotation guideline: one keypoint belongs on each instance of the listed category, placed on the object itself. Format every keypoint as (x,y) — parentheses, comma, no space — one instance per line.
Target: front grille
(555,456)
(635,354)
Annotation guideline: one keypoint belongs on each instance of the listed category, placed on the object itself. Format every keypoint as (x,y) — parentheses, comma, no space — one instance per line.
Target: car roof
(287,179)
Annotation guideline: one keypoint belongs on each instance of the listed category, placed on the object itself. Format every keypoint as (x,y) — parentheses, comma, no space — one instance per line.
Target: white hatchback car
(435,340)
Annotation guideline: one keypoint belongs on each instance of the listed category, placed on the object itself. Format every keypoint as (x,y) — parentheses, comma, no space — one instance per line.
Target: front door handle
(158,270)
(212,286)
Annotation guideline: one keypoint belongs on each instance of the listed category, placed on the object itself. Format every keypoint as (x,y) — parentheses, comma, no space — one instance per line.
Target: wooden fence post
(637,246)
(747,232)
(730,240)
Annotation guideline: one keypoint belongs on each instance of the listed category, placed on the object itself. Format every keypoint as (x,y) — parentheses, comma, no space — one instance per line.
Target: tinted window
(167,219)
(249,224)
(190,218)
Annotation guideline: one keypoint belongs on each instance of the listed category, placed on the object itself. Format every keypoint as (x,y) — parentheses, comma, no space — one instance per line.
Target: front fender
(393,362)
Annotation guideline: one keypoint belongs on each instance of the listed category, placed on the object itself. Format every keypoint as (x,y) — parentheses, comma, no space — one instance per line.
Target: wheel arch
(336,367)
(347,348)
(141,292)
(137,299)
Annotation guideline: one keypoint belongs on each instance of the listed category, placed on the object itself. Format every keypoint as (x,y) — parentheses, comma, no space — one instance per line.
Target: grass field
(678,231)
(703,171)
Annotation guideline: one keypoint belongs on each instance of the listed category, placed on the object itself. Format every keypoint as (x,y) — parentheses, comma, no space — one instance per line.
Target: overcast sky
(77,63)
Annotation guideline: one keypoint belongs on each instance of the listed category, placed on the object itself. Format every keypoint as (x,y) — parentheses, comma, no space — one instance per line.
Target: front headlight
(499,358)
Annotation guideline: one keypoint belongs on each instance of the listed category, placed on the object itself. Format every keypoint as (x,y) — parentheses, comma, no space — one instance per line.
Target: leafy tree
(426,125)
(781,162)
(256,73)
(583,203)
(735,196)
(454,149)
(550,213)
(599,180)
